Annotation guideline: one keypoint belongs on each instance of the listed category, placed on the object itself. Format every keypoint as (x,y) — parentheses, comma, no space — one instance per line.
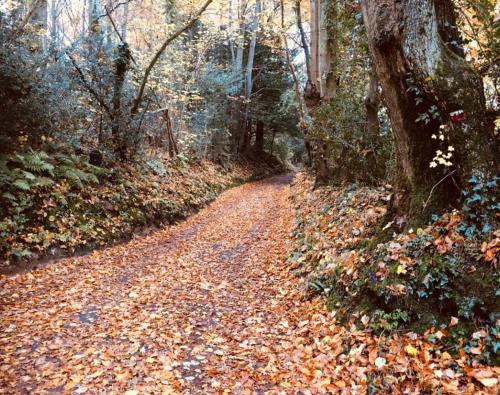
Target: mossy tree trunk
(122,64)
(427,84)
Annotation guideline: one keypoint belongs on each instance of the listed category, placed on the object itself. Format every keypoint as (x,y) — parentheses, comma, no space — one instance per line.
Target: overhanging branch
(172,37)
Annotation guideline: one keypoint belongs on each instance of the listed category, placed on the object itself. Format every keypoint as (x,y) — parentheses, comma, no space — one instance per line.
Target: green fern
(35,161)
(29,176)
(22,184)
(43,182)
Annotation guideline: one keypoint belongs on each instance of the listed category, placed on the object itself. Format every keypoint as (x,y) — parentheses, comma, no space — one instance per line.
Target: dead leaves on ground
(205,306)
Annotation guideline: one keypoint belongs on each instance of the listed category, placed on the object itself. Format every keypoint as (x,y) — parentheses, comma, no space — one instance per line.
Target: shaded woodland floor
(207,306)
(193,307)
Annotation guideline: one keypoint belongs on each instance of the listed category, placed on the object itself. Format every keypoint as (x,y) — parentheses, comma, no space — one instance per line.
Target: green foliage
(414,280)
(55,200)
(341,135)
(23,94)
(383,321)
(481,207)
(351,153)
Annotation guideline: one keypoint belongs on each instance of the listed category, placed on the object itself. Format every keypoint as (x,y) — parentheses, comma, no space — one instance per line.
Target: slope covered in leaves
(205,306)
(56,202)
(436,287)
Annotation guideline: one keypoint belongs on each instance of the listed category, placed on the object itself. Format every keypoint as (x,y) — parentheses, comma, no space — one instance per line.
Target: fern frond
(43,182)
(22,184)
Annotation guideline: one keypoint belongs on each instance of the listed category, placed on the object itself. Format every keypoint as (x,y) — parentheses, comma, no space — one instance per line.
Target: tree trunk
(424,83)
(312,89)
(54,33)
(236,107)
(125,21)
(247,135)
(303,40)
(259,137)
(327,53)
(172,145)
(314,22)
(249,73)
(230,31)
(122,64)
(372,102)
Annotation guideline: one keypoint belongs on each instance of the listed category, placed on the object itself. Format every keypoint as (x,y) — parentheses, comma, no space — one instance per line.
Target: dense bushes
(414,280)
(23,112)
(351,153)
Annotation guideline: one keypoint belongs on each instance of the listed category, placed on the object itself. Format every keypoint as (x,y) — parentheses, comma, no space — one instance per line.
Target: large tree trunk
(328,56)
(314,23)
(312,90)
(324,78)
(419,73)
(237,108)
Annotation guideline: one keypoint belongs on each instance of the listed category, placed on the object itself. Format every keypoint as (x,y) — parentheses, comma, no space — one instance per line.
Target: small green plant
(481,206)
(390,321)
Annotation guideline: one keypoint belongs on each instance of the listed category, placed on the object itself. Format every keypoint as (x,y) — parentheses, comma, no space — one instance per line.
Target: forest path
(194,308)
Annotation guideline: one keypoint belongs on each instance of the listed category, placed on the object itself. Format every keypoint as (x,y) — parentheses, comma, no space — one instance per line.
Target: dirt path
(193,308)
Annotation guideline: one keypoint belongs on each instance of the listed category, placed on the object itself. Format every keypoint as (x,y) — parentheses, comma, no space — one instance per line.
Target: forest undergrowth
(54,203)
(209,306)
(435,288)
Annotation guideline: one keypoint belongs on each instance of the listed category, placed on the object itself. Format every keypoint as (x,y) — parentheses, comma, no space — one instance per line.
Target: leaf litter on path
(204,306)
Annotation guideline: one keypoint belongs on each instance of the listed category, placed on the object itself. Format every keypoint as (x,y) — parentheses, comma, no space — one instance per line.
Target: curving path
(194,308)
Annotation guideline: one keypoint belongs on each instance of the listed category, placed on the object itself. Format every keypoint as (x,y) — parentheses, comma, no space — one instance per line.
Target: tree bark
(420,75)
(125,21)
(314,23)
(54,32)
(122,64)
(327,53)
(249,74)
(303,41)
(312,92)
(259,137)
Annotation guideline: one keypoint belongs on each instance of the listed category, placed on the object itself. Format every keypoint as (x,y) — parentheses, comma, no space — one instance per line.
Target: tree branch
(88,86)
(172,37)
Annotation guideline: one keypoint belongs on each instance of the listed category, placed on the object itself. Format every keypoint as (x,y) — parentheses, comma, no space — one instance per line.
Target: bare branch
(88,85)
(172,37)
